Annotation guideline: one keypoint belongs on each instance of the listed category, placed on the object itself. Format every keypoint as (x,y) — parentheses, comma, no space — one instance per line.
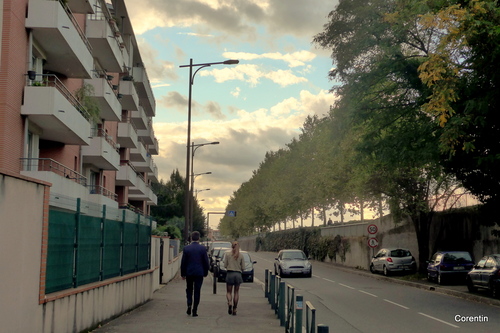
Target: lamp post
(187,193)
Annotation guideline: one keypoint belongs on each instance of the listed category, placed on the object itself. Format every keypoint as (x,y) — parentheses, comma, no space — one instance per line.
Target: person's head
(236,249)
(195,236)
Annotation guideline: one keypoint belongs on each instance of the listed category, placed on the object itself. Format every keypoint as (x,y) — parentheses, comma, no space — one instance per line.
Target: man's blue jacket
(194,260)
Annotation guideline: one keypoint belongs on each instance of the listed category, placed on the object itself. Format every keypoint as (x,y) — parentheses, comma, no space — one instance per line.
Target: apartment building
(76,104)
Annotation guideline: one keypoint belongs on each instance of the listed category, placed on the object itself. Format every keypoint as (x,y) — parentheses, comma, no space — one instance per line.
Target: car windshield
(457,257)
(293,255)
(399,253)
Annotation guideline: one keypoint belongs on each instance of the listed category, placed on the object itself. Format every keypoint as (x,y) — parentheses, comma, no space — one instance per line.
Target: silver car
(391,260)
(292,262)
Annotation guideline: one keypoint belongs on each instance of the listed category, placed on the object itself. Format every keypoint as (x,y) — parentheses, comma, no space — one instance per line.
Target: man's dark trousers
(193,285)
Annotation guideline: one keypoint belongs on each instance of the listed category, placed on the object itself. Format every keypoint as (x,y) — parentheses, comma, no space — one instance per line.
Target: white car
(292,262)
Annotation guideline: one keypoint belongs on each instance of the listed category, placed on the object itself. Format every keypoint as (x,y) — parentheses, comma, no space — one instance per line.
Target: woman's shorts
(234,278)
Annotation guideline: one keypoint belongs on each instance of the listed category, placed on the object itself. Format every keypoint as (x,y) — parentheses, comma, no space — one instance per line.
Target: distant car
(486,274)
(292,262)
(248,272)
(447,265)
(391,260)
(215,245)
(217,254)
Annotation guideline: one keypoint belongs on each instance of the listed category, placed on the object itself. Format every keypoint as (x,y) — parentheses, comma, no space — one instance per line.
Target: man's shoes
(189,310)
(195,312)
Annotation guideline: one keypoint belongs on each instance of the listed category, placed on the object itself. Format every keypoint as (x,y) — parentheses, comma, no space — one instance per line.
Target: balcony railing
(51,80)
(98,189)
(102,134)
(77,26)
(48,164)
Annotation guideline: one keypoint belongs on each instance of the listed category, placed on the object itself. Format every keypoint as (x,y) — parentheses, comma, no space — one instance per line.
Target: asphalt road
(348,302)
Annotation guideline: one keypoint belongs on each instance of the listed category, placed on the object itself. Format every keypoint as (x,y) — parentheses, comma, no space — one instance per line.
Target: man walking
(194,267)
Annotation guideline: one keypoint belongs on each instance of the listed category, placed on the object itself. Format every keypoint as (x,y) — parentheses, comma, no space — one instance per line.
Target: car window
(293,255)
(456,257)
(399,253)
(481,262)
(490,263)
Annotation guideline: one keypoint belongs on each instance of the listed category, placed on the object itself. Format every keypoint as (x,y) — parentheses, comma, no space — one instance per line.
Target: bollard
(277,281)
(272,292)
(299,308)
(215,274)
(266,284)
(281,304)
(322,328)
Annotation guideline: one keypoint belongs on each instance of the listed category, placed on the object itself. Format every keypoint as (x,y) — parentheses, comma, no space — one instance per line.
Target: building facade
(76,104)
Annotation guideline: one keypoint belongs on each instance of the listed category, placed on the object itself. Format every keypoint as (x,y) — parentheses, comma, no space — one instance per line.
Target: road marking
(343,285)
(404,307)
(441,321)
(364,292)
(329,280)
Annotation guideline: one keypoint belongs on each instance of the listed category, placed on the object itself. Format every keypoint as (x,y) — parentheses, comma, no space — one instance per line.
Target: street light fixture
(187,198)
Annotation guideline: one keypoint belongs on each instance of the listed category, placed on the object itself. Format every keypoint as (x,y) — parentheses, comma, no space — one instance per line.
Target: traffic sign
(231,213)
(372,242)
(372,229)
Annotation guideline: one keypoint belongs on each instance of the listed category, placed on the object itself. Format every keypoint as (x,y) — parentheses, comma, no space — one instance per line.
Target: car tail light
(389,259)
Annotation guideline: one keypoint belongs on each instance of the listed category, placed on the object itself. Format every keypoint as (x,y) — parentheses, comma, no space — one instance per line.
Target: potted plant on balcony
(85,95)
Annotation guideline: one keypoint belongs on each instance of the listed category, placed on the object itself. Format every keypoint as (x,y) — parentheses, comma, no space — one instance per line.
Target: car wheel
(440,279)
(494,290)
(429,277)
(372,269)
(386,271)
(275,271)
(470,285)
(280,272)
(310,273)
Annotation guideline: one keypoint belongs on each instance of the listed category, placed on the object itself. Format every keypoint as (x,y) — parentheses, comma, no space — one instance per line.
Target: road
(351,302)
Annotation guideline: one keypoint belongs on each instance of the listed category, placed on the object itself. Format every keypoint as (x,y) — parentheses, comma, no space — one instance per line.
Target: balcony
(139,190)
(127,135)
(129,98)
(102,196)
(57,112)
(153,176)
(105,96)
(66,49)
(138,154)
(82,6)
(154,149)
(139,119)
(146,166)
(126,175)
(147,135)
(102,152)
(105,41)
(144,90)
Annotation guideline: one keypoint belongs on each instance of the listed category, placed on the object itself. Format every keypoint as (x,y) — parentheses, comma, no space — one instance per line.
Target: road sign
(372,242)
(231,213)
(372,229)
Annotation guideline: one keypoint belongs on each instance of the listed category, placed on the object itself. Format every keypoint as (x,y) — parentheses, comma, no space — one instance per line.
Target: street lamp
(187,198)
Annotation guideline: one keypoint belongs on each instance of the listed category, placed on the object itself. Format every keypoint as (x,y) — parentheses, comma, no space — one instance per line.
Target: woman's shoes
(234,311)
(229,309)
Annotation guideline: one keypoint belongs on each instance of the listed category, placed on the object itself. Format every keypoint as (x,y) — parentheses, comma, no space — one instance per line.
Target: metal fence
(83,249)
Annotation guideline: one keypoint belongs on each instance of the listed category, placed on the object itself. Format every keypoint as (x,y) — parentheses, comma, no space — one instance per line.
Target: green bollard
(322,328)
(299,308)
(266,284)
(272,292)
(281,305)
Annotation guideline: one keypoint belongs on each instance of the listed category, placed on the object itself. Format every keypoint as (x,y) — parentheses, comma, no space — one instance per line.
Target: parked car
(486,274)
(292,262)
(248,272)
(392,260)
(217,254)
(447,265)
(215,245)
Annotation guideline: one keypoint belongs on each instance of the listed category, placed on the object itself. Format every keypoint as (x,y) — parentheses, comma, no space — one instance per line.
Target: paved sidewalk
(166,312)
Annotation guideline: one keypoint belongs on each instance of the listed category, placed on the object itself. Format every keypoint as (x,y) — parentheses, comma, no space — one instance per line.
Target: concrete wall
(24,307)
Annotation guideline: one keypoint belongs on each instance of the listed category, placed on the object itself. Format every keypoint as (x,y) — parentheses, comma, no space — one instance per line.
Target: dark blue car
(447,265)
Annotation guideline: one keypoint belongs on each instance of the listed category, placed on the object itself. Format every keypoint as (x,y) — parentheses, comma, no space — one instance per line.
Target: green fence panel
(144,246)
(111,262)
(60,251)
(129,248)
(88,267)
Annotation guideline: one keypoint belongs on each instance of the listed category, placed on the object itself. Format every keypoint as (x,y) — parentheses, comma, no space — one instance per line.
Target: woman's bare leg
(236,295)
(229,292)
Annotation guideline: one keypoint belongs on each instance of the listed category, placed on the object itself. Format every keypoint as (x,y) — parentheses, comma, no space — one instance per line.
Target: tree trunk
(422,222)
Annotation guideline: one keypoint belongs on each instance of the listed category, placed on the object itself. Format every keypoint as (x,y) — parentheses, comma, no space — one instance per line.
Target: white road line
(343,285)
(441,321)
(329,280)
(364,292)
(404,307)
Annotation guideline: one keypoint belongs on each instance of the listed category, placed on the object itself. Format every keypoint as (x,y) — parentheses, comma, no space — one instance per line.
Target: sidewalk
(166,312)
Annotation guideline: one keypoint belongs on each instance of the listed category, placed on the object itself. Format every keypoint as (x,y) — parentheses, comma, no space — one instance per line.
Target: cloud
(233,17)
(294,59)
(174,100)
(253,74)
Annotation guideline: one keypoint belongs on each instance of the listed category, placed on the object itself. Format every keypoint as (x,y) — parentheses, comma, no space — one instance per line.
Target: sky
(251,108)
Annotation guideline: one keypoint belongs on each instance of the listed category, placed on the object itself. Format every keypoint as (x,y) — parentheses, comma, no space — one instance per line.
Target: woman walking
(234,263)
